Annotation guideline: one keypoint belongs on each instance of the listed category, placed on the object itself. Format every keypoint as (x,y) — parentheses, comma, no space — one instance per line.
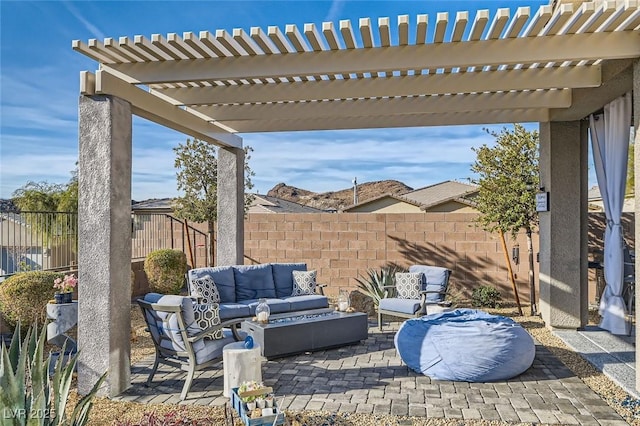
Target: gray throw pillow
(304,282)
(208,315)
(408,285)
(205,289)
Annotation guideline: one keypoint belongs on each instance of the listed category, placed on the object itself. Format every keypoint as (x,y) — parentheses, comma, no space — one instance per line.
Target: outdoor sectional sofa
(241,286)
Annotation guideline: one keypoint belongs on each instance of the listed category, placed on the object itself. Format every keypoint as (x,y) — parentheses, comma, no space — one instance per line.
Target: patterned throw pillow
(208,315)
(304,282)
(205,289)
(408,285)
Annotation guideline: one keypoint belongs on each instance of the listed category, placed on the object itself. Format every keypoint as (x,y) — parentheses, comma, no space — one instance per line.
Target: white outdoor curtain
(610,143)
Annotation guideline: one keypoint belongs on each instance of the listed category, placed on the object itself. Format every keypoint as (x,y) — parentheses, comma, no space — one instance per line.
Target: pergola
(554,66)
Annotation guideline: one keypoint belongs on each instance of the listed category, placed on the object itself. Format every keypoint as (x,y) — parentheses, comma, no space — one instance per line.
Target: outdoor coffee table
(307,331)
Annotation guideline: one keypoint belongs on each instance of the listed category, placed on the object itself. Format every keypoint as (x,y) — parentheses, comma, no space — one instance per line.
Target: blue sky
(39,95)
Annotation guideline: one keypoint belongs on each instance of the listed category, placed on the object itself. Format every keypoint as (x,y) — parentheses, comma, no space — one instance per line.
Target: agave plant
(29,395)
(375,281)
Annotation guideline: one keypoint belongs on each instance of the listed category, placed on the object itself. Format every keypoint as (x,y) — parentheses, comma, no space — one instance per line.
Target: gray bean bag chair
(465,345)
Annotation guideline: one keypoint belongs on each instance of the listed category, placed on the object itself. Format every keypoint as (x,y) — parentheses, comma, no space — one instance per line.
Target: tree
(508,179)
(197,177)
(44,197)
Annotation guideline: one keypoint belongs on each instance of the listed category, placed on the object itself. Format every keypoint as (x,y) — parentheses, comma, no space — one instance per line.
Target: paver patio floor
(371,378)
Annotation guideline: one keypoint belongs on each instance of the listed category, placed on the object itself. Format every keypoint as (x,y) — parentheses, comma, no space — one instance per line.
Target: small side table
(64,316)
(240,365)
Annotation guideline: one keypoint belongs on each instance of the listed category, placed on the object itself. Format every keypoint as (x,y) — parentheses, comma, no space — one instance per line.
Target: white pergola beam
(389,121)
(559,48)
(392,106)
(148,106)
(539,78)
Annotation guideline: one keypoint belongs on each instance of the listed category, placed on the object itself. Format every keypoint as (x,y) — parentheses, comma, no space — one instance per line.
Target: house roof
(430,196)
(549,64)
(383,196)
(260,204)
(269,204)
(440,192)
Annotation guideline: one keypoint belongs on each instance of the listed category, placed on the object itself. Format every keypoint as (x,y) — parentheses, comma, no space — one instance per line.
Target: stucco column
(636,142)
(104,243)
(230,244)
(563,229)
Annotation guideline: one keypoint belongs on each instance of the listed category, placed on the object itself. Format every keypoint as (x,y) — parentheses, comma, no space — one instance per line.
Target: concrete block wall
(342,246)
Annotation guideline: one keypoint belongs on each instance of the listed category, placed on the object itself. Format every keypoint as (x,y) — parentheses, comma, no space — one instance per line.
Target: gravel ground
(105,411)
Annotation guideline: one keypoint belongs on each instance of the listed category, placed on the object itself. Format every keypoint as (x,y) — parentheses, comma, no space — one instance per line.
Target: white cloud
(335,10)
(88,25)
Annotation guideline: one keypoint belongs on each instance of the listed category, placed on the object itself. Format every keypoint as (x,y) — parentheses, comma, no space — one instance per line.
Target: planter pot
(63,298)
(251,405)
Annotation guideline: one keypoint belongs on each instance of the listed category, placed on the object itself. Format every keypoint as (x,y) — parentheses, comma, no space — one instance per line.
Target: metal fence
(49,240)
(156,231)
(37,240)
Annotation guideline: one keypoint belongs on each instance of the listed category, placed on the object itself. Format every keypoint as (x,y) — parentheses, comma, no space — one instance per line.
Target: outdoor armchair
(178,338)
(414,292)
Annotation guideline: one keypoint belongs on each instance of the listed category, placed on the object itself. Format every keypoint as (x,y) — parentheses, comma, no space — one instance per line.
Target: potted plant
(65,287)
(250,387)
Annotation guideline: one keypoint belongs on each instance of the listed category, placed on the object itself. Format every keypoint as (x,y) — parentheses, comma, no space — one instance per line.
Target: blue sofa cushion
(282,277)
(435,281)
(254,282)
(233,310)
(223,277)
(276,306)
(465,345)
(406,306)
(307,302)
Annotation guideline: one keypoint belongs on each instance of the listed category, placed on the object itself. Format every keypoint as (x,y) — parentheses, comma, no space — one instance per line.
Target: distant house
(268,204)
(260,204)
(447,196)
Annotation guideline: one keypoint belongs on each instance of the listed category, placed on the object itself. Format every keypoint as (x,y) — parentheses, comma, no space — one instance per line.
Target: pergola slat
(542,78)
(146,105)
(225,39)
(442,20)
(314,38)
(392,106)
(456,67)
(391,121)
(574,47)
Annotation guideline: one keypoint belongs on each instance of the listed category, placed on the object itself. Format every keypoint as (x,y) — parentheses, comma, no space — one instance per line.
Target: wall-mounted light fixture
(515,254)
(542,200)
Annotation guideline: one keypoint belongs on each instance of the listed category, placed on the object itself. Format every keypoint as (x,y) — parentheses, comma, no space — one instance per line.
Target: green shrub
(485,296)
(374,283)
(165,270)
(24,296)
(29,396)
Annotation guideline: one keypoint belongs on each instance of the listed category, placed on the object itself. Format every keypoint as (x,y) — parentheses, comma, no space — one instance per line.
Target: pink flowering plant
(66,284)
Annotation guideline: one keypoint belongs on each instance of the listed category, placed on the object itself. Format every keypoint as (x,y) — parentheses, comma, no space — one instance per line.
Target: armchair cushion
(212,349)
(168,324)
(304,282)
(405,306)
(254,282)
(435,281)
(205,288)
(208,315)
(283,277)
(408,285)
